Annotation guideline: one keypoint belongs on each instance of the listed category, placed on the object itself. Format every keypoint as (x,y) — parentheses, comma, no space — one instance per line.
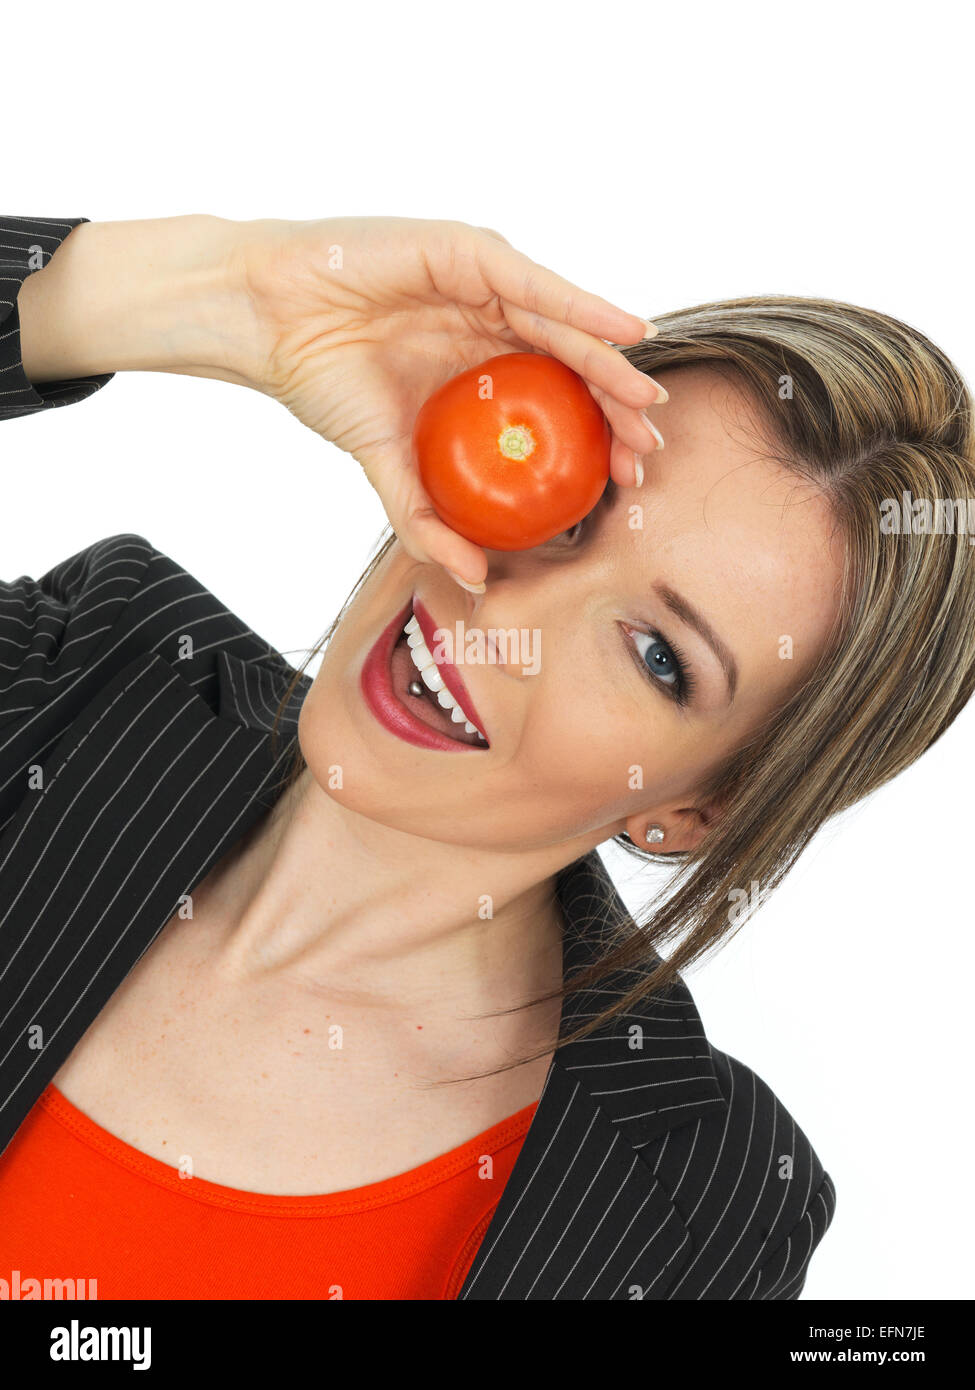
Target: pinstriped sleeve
(26,245)
(783,1274)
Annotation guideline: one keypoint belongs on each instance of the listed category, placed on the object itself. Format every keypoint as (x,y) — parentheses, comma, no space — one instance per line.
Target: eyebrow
(689,615)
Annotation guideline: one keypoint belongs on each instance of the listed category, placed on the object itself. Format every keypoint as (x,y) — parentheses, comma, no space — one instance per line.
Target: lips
(449,672)
(383,682)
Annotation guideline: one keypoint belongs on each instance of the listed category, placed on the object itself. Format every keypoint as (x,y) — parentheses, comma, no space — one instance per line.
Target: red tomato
(513,451)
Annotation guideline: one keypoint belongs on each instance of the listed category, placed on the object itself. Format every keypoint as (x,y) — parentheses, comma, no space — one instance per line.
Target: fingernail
(652,329)
(638,467)
(471,588)
(662,393)
(654,431)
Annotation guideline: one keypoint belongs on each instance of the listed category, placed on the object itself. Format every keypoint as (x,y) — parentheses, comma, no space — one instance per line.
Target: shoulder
(750,1187)
(52,627)
(70,631)
(67,635)
(751,1193)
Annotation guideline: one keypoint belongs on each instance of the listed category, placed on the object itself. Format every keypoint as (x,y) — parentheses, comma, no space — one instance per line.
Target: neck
(350,909)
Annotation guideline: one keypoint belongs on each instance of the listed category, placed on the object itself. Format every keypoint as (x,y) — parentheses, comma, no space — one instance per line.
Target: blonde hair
(872,413)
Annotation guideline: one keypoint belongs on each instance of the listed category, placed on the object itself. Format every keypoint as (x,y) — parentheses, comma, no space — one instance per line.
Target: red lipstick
(449,672)
(376,684)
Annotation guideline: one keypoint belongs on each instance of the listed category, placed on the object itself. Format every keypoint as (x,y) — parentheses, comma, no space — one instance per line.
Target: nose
(528,594)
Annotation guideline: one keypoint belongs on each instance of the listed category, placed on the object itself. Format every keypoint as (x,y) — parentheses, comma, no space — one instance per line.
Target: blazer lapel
(582,1216)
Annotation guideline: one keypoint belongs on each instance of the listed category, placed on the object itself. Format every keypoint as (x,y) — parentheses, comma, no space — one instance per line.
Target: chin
(365,771)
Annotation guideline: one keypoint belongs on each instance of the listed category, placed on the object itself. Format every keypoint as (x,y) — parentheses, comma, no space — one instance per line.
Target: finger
(602,365)
(516,277)
(411,514)
(623,465)
(631,427)
(491,232)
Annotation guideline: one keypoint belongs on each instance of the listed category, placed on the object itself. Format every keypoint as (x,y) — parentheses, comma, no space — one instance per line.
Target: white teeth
(426,666)
(431,677)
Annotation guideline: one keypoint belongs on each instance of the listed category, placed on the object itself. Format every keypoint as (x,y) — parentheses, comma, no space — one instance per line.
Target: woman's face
(586,735)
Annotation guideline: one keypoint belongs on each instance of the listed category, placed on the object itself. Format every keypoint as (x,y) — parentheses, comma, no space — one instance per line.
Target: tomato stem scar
(516,442)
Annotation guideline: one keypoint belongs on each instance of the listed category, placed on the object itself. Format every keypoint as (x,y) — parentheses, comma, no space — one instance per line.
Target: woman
(346,1068)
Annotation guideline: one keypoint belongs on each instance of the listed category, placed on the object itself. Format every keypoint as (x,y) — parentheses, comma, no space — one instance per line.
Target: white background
(661,156)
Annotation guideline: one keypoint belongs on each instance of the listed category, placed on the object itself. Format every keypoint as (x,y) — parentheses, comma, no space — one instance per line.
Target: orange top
(78,1203)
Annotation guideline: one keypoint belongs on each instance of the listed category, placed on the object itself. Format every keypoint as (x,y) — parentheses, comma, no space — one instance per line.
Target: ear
(683,828)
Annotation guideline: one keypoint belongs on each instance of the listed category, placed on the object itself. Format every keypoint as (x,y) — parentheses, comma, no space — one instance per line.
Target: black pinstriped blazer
(671,1172)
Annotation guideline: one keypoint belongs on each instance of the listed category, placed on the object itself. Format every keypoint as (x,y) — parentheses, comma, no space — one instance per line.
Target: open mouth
(411,663)
(436,713)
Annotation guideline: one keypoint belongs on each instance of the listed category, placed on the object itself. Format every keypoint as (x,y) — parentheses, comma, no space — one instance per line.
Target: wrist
(157,294)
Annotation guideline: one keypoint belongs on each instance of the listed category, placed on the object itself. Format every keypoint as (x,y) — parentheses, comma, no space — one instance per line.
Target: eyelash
(682,689)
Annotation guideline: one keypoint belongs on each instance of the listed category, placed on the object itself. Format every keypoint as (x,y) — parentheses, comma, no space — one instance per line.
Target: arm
(156,295)
(28,243)
(78,302)
(783,1274)
(350,323)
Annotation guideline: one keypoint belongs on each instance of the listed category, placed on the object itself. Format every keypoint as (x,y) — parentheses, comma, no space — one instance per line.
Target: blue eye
(664,665)
(661,661)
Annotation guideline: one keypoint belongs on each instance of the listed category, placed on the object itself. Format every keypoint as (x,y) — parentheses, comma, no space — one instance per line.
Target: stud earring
(655,834)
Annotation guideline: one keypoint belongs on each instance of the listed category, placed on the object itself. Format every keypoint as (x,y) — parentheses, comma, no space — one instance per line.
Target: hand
(358,320)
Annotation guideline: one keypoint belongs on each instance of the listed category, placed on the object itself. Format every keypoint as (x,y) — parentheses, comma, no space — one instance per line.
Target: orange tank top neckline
(364,1198)
(76,1201)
